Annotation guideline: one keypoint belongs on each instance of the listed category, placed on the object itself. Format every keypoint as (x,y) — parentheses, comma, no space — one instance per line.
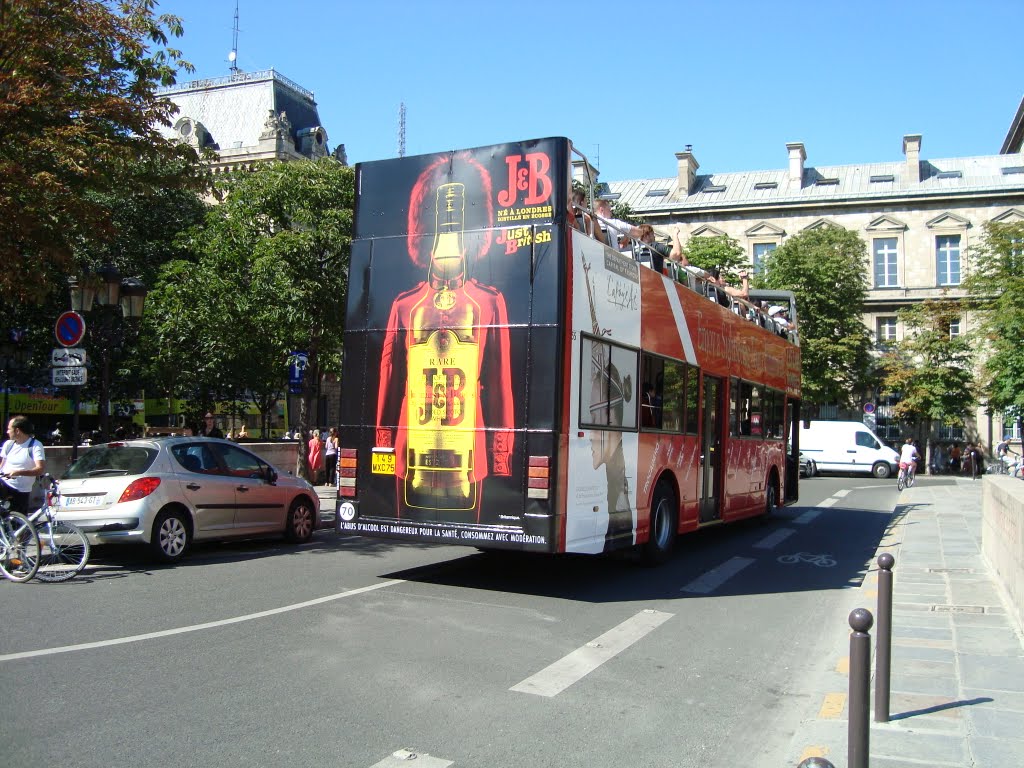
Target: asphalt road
(345,650)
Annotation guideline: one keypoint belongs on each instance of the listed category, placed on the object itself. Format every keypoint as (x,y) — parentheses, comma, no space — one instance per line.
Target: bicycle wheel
(910,479)
(901,480)
(64,551)
(19,548)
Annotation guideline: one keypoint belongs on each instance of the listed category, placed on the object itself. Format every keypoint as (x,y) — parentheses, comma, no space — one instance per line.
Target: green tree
(719,251)
(930,371)
(996,286)
(271,278)
(825,270)
(79,115)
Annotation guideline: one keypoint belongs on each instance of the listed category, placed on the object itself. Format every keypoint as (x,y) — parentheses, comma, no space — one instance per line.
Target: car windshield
(111,460)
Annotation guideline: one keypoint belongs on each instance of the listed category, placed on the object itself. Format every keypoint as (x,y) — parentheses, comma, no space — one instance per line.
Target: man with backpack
(22,459)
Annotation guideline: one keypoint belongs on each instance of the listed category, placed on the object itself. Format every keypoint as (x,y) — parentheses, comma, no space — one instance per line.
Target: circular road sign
(869,408)
(70,329)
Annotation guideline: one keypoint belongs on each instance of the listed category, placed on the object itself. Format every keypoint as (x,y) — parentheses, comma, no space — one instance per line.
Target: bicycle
(19,545)
(905,479)
(64,549)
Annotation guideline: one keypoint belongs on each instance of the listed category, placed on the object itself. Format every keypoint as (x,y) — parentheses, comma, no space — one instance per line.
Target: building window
(946,432)
(885,262)
(1010,431)
(954,329)
(886,332)
(761,252)
(947,256)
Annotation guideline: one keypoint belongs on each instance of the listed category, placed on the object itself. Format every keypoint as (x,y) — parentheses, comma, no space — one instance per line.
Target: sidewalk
(957,661)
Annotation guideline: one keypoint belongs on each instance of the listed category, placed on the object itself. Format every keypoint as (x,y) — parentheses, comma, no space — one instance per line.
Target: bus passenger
(614,232)
(724,290)
(658,251)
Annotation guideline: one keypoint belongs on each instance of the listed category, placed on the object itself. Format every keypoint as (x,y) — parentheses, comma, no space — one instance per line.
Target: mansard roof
(824,185)
(234,109)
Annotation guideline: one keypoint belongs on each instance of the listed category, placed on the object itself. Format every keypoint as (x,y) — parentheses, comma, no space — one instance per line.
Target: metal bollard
(857,736)
(883,638)
(815,762)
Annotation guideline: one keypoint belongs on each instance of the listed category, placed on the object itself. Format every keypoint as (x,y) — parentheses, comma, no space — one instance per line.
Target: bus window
(608,397)
(756,412)
(692,401)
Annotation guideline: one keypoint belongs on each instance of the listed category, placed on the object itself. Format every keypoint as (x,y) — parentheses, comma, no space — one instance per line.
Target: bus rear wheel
(664,526)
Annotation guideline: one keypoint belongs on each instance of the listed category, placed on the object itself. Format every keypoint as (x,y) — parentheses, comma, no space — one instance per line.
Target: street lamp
(101,293)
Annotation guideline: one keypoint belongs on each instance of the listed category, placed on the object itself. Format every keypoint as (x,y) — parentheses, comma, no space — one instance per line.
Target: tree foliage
(930,371)
(271,278)
(996,286)
(79,116)
(824,268)
(719,251)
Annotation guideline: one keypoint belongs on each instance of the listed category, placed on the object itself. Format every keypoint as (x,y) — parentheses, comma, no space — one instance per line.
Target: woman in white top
(331,455)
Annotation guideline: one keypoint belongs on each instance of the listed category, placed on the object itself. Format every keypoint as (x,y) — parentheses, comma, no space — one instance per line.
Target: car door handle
(193,486)
(242,488)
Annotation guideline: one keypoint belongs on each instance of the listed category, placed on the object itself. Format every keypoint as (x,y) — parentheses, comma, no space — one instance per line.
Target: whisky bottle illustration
(443,382)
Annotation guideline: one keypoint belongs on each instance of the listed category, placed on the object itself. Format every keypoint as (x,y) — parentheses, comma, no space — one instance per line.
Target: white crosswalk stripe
(714,578)
(403,757)
(556,677)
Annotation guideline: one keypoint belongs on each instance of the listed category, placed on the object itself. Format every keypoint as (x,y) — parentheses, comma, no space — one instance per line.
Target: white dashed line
(197,627)
(554,679)
(807,516)
(402,756)
(773,540)
(714,578)
(840,494)
(826,503)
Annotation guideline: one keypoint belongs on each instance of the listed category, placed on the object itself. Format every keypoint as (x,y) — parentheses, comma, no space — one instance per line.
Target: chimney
(686,170)
(797,155)
(912,149)
(584,172)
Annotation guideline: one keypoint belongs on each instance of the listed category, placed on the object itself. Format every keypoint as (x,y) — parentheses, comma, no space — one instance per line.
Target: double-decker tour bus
(510,382)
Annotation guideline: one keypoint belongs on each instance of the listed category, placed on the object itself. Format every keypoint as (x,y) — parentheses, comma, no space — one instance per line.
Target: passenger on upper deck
(715,278)
(615,232)
(659,251)
(578,216)
(780,315)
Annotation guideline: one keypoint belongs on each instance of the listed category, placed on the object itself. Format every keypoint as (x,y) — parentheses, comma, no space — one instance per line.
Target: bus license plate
(383,463)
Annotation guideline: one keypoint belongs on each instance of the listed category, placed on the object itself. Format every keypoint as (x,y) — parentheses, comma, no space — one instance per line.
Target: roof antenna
(401,129)
(233,56)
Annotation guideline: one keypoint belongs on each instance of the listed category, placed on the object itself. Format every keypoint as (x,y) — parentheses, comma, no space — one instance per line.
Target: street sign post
(68,376)
(70,329)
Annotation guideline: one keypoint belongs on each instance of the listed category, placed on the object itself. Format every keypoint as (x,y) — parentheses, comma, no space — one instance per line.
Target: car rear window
(111,461)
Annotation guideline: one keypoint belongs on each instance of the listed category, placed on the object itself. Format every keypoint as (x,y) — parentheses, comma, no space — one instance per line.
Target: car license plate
(383,463)
(81,501)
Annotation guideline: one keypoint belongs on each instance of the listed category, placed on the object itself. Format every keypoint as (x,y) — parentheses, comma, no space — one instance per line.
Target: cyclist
(909,458)
(22,459)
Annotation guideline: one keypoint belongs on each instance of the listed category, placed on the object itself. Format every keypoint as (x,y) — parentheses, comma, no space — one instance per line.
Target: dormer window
(767,185)
(883,178)
(714,188)
(657,192)
(949,175)
(832,182)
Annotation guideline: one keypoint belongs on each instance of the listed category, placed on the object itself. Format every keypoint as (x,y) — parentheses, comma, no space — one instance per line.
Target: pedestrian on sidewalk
(974,453)
(316,455)
(331,456)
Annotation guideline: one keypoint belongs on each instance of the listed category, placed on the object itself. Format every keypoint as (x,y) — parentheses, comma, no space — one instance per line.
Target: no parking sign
(70,329)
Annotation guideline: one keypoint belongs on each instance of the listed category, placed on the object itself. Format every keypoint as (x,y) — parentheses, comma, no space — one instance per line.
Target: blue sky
(631,83)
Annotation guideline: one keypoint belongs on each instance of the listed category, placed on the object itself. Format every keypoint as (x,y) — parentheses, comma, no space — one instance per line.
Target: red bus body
(510,382)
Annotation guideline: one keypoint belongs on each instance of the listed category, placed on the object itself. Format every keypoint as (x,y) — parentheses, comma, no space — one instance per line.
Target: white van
(847,446)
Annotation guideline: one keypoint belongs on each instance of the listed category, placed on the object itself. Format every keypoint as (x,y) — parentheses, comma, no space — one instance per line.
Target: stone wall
(1002,537)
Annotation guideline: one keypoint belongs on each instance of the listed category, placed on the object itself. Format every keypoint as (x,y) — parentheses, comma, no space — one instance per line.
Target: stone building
(248,117)
(919,218)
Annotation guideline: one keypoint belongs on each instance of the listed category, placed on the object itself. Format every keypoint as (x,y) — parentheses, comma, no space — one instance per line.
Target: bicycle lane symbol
(822,561)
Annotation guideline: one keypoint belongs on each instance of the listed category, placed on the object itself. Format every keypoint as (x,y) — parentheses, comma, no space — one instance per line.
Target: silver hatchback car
(171,491)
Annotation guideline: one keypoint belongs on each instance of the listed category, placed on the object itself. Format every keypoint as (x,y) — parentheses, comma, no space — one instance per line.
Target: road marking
(814,751)
(717,576)
(826,503)
(807,516)
(402,756)
(555,678)
(840,494)
(197,627)
(832,707)
(774,539)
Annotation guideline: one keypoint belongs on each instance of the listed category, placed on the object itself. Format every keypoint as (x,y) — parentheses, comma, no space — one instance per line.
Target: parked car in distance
(807,466)
(171,491)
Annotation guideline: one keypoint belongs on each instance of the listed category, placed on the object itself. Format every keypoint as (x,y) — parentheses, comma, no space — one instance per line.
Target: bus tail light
(347,472)
(538,477)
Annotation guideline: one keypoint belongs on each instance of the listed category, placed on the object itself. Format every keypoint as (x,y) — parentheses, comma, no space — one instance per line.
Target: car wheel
(171,535)
(663,528)
(301,521)
(812,469)
(881,470)
(771,497)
